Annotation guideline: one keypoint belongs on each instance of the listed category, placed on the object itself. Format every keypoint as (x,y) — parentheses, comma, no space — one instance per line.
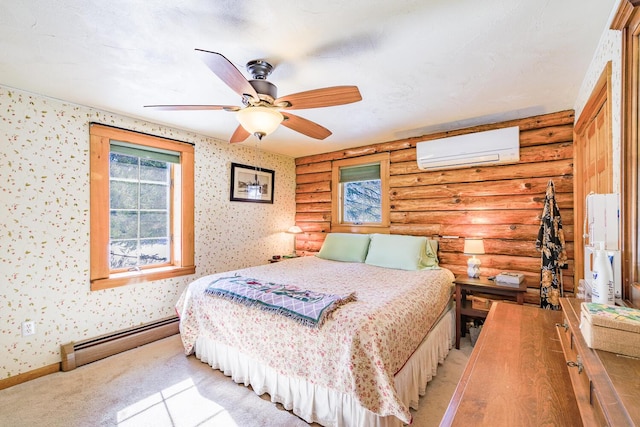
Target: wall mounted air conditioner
(472,149)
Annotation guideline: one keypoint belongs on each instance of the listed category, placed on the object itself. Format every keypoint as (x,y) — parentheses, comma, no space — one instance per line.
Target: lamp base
(473,268)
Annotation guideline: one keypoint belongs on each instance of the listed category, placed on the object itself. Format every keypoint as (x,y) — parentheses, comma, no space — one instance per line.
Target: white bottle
(603,290)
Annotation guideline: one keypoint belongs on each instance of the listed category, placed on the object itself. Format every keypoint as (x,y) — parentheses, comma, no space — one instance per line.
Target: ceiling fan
(263,111)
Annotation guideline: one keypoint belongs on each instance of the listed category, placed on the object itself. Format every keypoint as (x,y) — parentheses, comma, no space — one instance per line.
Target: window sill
(344,228)
(143,276)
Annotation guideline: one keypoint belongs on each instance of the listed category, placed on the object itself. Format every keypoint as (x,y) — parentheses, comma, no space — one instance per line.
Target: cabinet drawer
(590,409)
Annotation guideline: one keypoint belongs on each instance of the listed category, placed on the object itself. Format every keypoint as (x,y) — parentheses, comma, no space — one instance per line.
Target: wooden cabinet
(606,385)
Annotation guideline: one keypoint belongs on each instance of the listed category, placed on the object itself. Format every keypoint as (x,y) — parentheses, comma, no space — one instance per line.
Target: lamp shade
(473,246)
(294,229)
(260,120)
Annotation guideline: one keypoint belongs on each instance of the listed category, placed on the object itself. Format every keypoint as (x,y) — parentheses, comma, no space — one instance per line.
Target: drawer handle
(577,364)
(564,325)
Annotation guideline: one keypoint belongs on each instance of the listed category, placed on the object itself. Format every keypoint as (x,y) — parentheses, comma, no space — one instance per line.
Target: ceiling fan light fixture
(259,120)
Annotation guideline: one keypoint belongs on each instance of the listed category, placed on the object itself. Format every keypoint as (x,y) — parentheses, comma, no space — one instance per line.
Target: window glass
(139,211)
(362,202)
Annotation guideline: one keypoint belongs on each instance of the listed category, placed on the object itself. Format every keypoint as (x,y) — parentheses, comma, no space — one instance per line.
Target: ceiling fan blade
(304,126)
(239,135)
(325,97)
(193,107)
(227,72)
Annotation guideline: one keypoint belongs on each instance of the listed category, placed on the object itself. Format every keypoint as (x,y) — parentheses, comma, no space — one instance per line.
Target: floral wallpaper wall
(609,50)
(44,227)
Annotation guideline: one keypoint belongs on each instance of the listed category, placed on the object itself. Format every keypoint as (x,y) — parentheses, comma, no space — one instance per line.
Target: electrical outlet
(28,328)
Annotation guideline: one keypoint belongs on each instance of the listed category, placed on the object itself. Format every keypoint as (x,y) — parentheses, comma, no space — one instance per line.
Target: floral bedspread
(359,348)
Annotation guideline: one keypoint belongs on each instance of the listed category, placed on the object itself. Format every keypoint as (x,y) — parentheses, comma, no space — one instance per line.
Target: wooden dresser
(606,385)
(518,375)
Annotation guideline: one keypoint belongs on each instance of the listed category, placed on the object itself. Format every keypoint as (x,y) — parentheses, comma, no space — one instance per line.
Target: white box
(510,278)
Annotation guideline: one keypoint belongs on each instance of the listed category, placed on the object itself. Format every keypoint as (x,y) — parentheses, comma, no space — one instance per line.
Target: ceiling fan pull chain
(255,157)
(258,155)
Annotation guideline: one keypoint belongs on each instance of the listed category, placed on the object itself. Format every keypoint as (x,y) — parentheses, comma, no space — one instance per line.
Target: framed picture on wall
(251,184)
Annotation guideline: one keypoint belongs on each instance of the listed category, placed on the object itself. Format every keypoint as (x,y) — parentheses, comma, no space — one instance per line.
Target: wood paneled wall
(502,204)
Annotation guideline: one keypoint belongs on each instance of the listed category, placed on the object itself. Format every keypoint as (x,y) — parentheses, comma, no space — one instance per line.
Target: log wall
(502,203)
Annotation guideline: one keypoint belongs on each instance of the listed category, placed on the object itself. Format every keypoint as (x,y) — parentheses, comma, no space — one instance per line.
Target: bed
(370,360)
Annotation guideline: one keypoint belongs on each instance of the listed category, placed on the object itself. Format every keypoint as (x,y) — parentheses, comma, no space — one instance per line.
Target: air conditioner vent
(473,149)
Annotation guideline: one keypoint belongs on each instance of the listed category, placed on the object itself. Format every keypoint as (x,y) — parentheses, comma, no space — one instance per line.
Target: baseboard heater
(80,353)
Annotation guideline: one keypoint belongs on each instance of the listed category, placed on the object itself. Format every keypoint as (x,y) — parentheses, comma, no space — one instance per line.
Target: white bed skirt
(318,404)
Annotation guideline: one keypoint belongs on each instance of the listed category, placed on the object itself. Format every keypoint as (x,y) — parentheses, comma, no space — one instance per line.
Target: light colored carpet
(156,385)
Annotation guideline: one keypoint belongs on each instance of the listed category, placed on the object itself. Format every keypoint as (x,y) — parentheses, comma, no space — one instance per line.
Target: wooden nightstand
(464,309)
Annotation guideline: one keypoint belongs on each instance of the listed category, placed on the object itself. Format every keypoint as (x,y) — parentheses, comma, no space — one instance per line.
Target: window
(360,194)
(141,207)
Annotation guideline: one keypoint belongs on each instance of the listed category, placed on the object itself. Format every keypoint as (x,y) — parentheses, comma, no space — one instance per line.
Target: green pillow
(402,252)
(430,257)
(345,247)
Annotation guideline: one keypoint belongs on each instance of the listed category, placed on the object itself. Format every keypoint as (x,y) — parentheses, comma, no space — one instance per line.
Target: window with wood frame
(360,194)
(142,204)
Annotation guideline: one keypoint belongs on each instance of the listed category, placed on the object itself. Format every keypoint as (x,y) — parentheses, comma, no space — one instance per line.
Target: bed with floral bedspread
(354,355)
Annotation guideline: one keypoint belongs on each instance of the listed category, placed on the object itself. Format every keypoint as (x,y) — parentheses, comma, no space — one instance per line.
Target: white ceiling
(421,65)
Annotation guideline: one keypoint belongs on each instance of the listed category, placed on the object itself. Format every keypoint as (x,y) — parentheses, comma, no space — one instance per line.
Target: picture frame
(251,184)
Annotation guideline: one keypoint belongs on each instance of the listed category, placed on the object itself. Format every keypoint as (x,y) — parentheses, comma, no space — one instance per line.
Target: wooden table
(465,284)
(516,374)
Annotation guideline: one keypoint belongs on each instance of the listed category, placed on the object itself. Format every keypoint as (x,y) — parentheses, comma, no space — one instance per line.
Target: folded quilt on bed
(310,308)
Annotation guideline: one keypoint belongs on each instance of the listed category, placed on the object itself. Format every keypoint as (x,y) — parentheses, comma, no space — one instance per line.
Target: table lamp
(473,247)
(294,229)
